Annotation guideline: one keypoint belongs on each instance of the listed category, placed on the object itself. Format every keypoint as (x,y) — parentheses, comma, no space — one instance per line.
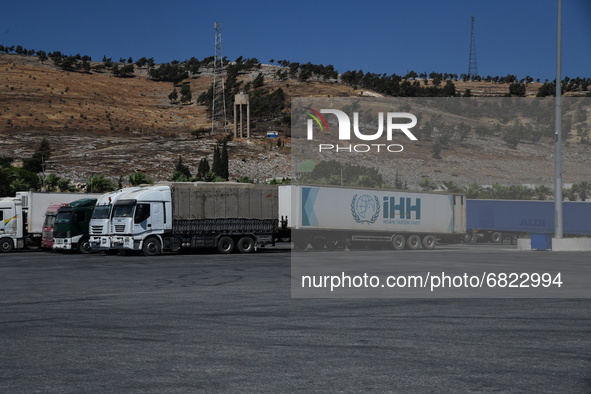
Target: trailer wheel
(226,245)
(429,241)
(300,242)
(6,245)
(495,237)
(413,242)
(246,245)
(318,242)
(151,247)
(398,242)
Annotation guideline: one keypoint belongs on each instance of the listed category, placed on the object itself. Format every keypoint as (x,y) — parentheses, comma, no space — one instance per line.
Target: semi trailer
(22,217)
(183,215)
(495,220)
(323,216)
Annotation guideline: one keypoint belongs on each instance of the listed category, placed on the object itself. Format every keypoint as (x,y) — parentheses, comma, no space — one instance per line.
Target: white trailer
(324,216)
(22,217)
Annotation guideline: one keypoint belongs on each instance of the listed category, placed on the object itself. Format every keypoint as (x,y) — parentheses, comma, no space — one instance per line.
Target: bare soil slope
(98,123)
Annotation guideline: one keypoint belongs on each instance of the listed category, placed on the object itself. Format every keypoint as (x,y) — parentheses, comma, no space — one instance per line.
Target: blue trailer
(494,220)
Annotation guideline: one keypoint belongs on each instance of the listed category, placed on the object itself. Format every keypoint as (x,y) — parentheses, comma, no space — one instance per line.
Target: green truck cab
(70,231)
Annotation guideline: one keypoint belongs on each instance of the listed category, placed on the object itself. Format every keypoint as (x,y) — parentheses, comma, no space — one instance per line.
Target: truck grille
(96,230)
(119,228)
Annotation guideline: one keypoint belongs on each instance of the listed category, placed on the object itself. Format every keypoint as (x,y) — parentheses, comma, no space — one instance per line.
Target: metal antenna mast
(218,106)
(472,64)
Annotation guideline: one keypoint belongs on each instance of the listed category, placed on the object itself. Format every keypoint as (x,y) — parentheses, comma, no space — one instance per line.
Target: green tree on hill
(181,172)
(99,184)
(203,168)
(173,96)
(40,156)
(186,95)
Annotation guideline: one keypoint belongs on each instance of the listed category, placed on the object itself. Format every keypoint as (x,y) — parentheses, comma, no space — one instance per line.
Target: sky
(512,36)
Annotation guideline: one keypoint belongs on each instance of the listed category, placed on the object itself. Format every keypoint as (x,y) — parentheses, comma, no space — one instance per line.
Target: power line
(218,106)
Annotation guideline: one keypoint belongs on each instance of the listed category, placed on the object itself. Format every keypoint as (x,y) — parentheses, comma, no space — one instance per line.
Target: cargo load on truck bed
(203,200)
(212,207)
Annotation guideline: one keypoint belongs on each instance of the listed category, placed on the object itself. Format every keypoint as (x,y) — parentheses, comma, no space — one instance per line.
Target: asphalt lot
(216,323)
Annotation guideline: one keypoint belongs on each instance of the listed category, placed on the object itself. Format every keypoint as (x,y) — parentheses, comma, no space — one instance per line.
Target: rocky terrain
(97,123)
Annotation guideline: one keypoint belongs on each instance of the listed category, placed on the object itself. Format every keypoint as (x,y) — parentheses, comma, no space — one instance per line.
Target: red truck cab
(47,235)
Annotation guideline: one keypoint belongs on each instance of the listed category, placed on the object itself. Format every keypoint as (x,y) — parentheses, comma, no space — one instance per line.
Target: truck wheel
(246,245)
(413,242)
(151,247)
(495,237)
(84,246)
(226,245)
(6,245)
(429,242)
(300,242)
(398,242)
(318,242)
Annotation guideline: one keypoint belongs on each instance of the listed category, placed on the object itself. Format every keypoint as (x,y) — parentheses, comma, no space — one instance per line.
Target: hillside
(98,123)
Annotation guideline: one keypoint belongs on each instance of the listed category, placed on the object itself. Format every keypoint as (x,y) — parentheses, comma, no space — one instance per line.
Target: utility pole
(558,229)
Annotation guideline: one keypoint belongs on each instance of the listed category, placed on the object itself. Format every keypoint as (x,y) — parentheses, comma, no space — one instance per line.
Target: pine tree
(41,155)
(181,172)
(216,167)
(203,168)
(225,173)
(173,96)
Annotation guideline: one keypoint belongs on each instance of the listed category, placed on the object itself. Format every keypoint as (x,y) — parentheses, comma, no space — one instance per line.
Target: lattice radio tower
(218,106)
(472,63)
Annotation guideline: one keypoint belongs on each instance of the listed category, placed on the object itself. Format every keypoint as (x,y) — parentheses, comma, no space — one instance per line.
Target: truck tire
(151,247)
(246,245)
(225,245)
(6,245)
(429,242)
(398,242)
(318,242)
(84,246)
(413,242)
(496,237)
(300,242)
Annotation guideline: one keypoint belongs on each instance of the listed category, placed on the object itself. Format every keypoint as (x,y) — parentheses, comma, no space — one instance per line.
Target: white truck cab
(100,223)
(11,224)
(138,215)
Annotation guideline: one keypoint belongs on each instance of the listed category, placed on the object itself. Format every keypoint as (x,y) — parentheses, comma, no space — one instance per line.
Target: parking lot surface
(227,323)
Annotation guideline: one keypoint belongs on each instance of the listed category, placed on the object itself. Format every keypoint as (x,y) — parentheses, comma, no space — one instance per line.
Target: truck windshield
(63,217)
(101,212)
(49,221)
(123,211)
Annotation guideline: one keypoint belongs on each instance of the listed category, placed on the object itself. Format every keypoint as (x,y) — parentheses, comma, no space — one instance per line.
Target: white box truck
(325,216)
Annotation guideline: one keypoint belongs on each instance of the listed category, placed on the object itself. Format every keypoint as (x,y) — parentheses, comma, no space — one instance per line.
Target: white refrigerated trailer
(326,216)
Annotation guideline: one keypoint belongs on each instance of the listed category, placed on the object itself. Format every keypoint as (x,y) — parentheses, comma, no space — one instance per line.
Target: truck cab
(47,234)
(11,224)
(71,225)
(100,223)
(141,214)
